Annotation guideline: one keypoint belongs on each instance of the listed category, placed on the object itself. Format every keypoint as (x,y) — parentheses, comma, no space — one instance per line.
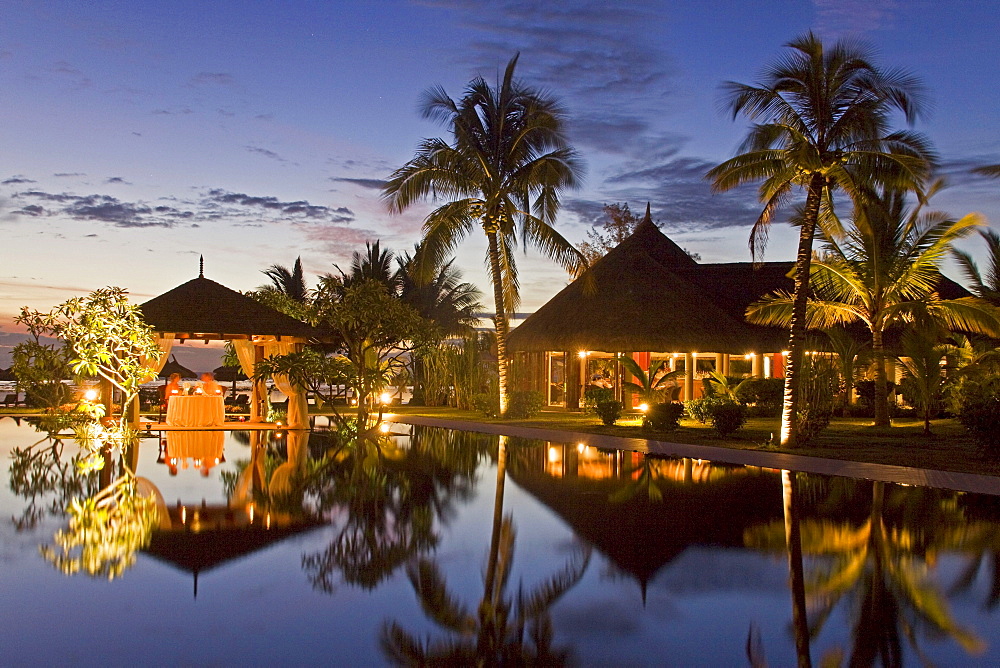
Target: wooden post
(720,363)
(689,368)
(756,365)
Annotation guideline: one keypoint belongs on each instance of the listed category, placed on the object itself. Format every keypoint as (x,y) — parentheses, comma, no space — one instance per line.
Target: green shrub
(595,394)
(664,417)
(609,411)
(728,416)
(524,404)
(980,413)
(763,397)
(865,406)
(701,409)
(486,403)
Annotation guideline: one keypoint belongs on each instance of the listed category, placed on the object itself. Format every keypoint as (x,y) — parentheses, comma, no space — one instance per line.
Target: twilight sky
(135,136)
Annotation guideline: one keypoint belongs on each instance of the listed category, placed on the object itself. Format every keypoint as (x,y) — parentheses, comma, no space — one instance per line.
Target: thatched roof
(642,296)
(205,309)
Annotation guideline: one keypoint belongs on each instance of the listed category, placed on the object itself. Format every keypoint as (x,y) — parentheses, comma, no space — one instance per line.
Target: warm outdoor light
(785,353)
(90,395)
(553,454)
(385,398)
(384,427)
(583,354)
(643,407)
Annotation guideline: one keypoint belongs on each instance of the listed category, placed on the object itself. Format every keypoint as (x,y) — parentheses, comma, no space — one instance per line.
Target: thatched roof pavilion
(646,294)
(205,310)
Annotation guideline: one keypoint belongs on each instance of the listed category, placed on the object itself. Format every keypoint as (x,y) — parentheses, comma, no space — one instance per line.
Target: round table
(196,411)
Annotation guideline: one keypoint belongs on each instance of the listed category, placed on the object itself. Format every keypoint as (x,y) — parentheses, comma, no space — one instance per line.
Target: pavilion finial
(201,266)
(648,216)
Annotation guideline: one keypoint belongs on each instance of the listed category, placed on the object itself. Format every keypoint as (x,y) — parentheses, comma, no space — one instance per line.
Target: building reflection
(642,512)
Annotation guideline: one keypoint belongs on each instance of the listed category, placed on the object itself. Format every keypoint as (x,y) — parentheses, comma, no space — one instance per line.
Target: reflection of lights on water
(267,521)
(581,448)
(553,454)
(384,427)
(184,514)
(250,511)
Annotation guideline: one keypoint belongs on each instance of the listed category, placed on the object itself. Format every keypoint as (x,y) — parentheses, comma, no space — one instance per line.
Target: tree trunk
(491,567)
(881,382)
(796,572)
(797,333)
(500,319)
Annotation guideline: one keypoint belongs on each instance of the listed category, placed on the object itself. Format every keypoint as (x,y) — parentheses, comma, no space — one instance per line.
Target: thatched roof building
(204,309)
(647,294)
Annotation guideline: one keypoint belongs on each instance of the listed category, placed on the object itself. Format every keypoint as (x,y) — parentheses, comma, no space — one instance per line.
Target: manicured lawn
(948,449)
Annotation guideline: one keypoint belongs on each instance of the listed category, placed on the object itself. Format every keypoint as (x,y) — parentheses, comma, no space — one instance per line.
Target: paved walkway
(964,482)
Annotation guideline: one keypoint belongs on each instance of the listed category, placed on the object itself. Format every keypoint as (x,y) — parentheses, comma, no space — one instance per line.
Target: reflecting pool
(433,545)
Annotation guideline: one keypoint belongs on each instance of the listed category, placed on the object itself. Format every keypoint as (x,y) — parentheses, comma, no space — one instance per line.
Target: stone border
(904,475)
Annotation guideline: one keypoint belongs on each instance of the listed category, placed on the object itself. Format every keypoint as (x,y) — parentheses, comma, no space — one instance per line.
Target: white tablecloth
(196,411)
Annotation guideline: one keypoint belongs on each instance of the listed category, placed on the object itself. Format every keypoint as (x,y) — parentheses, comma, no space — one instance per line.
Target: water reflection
(505,629)
(879,569)
(877,573)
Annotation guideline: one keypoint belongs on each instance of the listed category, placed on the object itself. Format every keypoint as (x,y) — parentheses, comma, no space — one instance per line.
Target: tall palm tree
(821,123)
(883,271)
(503,171)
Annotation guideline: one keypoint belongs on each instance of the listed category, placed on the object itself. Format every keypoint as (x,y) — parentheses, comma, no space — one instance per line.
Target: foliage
(105,531)
(865,406)
(525,404)
(40,369)
(290,283)
(609,411)
(595,394)
(107,336)
(439,295)
(487,403)
(701,409)
(820,123)
(650,384)
(503,171)
(884,271)
(820,386)
(980,413)
(727,416)
(664,416)
(728,387)
(923,379)
(762,396)
(986,286)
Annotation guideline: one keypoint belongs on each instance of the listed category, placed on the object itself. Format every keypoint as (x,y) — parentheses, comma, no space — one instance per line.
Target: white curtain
(298,408)
(156,367)
(245,352)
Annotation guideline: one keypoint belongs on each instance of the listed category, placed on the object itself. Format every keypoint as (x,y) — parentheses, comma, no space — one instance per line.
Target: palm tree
(651,384)
(821,123)
(883,272)
(988,170)
(985,287)
(503,171)
(442,298)
(923,377)
(290,283)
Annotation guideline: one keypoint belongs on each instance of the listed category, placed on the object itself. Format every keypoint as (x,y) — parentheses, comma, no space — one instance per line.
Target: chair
(10,401)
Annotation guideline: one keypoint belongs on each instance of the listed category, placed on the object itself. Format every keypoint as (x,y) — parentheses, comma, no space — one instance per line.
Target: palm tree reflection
(504,629)
(879,571)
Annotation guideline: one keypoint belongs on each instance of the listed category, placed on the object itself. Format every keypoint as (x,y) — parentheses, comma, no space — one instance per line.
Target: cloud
(265,152)
(213,79)
(681,197)
(15,180)
(593,56)
(370,184)
(300,208)
(65,175)
(78,78)
(845,17)
(213,206)
(181,111)
(117,179)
